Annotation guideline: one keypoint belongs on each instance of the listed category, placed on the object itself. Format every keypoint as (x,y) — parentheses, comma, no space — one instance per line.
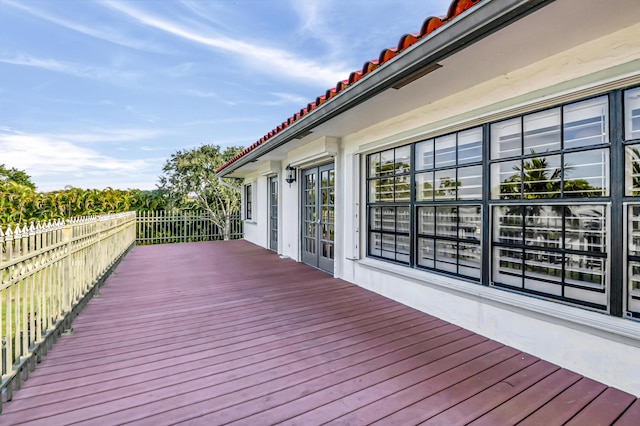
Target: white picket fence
(48,271)
(165,227)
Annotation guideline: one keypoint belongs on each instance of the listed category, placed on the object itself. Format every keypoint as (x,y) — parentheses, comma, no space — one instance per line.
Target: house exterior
(486,171)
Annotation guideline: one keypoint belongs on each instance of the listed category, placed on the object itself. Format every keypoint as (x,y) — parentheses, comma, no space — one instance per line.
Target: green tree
(18,176)
(189,181)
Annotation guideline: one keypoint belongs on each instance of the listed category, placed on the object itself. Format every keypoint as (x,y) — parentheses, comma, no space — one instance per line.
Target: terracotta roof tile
(430,24)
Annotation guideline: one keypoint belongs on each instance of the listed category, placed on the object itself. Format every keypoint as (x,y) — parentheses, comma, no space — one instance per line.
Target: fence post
(67,237)
(184,227)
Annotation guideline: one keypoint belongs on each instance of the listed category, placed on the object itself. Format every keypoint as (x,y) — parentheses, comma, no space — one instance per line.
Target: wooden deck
(226,332)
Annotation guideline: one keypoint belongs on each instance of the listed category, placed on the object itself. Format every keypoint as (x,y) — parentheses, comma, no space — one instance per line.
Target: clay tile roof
(430,24)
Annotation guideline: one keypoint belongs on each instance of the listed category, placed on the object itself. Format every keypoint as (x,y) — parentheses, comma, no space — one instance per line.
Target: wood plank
(400,400)
(631,417)
(184,342)
(525,403)
(567,404)
(452,394)
(482,402)
(213,333)
(202,387)
(213,372)
(230,392)
(312,407)
(605,409)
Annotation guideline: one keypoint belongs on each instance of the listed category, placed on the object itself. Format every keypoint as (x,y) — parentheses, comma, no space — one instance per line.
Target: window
(449,239)
(558,249)
(449,170)
(389,199)
(546,225)
(556,153)
(633,260)
(450,167)
(632,114)
(632,189)
(248,202)
(446,177)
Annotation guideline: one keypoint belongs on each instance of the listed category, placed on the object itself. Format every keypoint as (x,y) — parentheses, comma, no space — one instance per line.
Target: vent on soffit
(416,75)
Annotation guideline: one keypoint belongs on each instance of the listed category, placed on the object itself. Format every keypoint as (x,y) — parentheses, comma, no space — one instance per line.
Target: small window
(557,153)
(248,202)
(632,114)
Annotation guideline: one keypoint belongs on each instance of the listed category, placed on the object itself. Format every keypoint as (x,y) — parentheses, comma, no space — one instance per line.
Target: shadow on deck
(224,332)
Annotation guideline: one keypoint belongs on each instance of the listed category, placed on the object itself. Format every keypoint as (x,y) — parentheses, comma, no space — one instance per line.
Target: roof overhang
(418,60)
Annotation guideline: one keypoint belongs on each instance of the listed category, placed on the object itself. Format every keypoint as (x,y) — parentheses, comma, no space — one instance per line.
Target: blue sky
(101,93)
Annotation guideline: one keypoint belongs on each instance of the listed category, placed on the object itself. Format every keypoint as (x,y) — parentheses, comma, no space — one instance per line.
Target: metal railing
(165,227)
(48,272)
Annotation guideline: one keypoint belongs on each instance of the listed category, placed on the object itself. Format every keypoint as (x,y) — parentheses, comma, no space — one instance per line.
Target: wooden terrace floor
(226,332)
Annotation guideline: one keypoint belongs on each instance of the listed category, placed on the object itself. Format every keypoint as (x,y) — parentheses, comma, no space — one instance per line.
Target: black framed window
(248,202)
(557,250)
(449,239)
(558,153)
(423,203)
(553,248)
(633,260)
(389,200)
(631,99)
(448,174)
(539,208)
(632,114)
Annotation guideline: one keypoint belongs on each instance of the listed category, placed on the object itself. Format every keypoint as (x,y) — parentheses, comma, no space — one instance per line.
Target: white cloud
(58,160)
(84,71)
(286,98)
(314,24)
(280,62)
(212,95)
(181,70)
(150,118)
(107,34)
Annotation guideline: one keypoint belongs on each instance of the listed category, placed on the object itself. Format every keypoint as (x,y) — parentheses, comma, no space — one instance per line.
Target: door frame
(322,263)
(273,179)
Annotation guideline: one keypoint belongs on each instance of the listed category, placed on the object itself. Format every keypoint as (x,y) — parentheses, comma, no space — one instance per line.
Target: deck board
(227,332)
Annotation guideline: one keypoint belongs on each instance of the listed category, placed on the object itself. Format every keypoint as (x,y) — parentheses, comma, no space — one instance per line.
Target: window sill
(577,318)
(250,222)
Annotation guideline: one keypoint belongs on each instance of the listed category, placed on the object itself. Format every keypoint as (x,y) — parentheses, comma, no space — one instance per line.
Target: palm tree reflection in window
(544,229)
(538,179)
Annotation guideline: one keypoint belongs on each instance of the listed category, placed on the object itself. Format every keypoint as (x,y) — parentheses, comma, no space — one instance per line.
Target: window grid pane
(449,239)
(554,250)
(633,259)
(632,114)
(543,169)
(586,123)
(389,184)
(632,170)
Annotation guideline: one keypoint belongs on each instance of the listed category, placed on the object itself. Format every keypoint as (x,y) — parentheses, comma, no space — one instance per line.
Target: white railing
(165,227)
(48,271)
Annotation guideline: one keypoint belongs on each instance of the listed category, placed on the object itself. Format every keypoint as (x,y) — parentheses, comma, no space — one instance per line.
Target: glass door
(273,213)
(318,217)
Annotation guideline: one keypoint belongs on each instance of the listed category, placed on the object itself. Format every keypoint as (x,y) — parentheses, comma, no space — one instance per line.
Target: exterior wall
(602,347)
(255,229)
(599,346)
(290,219)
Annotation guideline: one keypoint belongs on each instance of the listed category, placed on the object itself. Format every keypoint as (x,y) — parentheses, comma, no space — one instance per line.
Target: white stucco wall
(596,345)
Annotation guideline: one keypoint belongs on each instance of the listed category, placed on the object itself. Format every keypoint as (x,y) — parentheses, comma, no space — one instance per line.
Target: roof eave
(471,26)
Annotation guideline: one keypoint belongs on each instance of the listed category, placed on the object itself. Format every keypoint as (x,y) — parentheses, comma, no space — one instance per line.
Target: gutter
(482,20)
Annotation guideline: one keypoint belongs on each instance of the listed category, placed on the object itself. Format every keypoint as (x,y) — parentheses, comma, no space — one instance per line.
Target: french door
(318,217)
(273,213)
